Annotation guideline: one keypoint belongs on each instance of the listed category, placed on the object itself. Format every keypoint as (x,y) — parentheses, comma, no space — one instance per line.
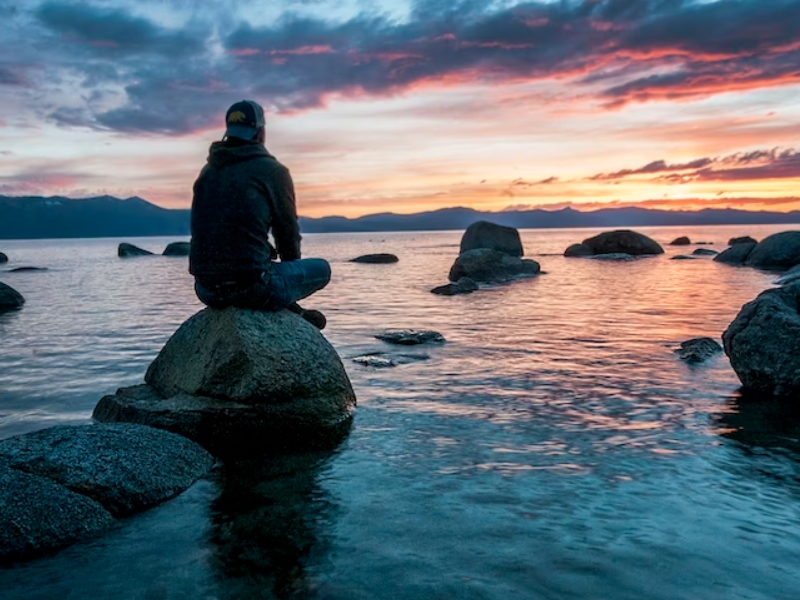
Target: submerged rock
(384,360)
(38,516)
(27,269)
(237,379)
(763,342)
(484,234)
(746,239)
(681,241)
(622,241)
(410,337)
(778,251)
(125,250)
(491,266)
(10,299)
(178,249)
(126,468)
(698,349)
(613,256)
(465,285)
(683,257)
(705,252)
(736,254)
(376,259)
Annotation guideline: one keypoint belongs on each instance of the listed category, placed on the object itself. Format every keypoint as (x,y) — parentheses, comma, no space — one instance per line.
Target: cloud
(178,77)
(657,166)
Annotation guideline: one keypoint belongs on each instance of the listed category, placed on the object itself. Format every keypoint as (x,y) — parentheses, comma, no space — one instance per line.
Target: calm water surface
(553,448)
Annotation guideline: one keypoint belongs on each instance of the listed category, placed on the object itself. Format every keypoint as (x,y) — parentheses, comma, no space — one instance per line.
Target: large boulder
(491,266)
(242,378)
(126,468)
(736,254)
(10,299)
(177,249)
(763,342)
(38,516)
(778,251)
(125,250)
(623,241)
(484,234)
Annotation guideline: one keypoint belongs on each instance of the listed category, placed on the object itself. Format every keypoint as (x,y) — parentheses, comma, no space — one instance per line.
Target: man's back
(240,194)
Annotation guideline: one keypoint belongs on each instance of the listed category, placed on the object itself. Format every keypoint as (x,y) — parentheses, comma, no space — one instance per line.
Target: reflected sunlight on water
(554,447)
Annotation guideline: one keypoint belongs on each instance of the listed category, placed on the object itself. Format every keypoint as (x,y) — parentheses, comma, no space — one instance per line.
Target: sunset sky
(409,106)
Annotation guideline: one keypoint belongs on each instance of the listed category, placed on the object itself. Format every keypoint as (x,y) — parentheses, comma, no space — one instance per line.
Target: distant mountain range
(105,216)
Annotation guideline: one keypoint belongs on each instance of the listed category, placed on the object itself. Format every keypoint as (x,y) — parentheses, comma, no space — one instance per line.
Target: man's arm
(285,228)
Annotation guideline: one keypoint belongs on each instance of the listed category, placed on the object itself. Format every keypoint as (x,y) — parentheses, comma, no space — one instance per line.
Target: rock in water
(241,379)
(178,249)
(38,516)
(789,276)
(10,299)
(125,250)
(746,239)
(410,337)
(577,250)
(698,349)
(491,266)
(484,234)
(778,251)
(623,241)
(126,468)
(763,343)
(736,254)
(3,258)
(465,285)
(705,252)
(375,259)
(681,241)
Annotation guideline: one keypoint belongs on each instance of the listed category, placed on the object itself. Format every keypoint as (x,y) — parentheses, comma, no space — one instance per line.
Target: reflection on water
(555,447)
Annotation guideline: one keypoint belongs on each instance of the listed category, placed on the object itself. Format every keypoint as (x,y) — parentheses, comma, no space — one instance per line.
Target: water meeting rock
(375,259)
(465,285)
(10,299)
(763,343)
(410,337)
(705,252)
(578,250)
(3,258)
(484,234)
(491,266)
(237,378)
(178,249)
(736,254)
(125,250)
(623,241)
(698,349)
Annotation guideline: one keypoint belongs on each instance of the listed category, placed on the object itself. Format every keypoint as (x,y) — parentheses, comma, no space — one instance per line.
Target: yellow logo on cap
(237,117)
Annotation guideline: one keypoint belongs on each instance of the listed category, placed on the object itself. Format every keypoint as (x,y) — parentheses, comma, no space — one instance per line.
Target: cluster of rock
(125,250)
(619,244)
(488,253)
(64,484)
(237,380)
(776,252)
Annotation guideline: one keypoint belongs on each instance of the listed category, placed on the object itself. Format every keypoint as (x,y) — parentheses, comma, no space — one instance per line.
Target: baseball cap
(243,119)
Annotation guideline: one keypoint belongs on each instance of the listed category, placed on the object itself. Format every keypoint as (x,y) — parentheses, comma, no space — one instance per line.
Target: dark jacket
(240,194)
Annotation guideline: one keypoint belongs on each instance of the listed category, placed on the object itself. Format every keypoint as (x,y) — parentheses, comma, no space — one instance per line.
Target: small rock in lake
(705,252)
(698,349)
(465,285)
(10,299)
(613,256)
(578,250)
(375,259)
(26,269)
(683,257)
(3,258)
(745,239)
(125,250)
(681,241)
(374,360)
(410,337)
(621,241)
(178,249)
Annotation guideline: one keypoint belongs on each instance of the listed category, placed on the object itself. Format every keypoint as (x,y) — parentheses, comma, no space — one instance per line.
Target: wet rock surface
(621,241)
(763,343)
(465,285)
(125,250)
(10,299)
(698,350)
(410,337)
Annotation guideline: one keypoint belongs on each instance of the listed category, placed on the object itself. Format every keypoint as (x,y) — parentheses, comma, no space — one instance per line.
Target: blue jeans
(284,284)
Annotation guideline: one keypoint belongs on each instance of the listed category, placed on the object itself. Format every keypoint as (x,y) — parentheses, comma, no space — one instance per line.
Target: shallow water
(554,447)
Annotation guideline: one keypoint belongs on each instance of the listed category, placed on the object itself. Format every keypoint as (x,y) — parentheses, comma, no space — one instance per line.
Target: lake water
(553,448)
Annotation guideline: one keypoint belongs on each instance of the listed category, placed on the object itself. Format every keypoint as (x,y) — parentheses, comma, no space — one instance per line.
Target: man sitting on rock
(240,195)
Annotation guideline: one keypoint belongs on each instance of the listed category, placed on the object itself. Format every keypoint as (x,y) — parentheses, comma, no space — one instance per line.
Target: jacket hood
(225,153)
